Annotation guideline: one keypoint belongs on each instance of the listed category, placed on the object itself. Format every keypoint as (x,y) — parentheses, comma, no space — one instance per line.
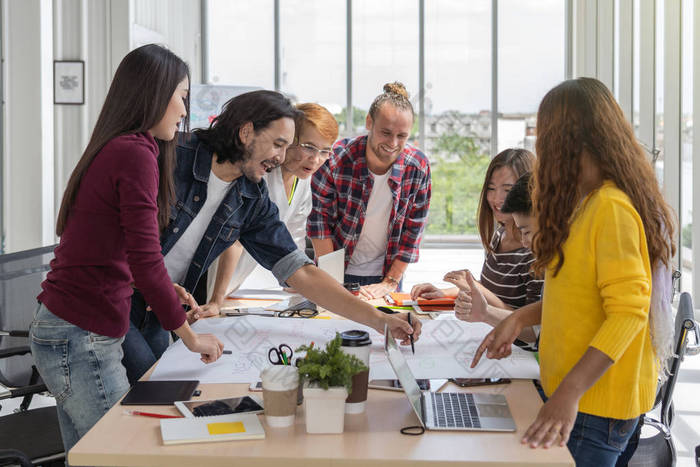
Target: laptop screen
(403,372)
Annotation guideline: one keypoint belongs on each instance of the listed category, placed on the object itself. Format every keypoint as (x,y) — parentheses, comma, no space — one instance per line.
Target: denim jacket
(246,214)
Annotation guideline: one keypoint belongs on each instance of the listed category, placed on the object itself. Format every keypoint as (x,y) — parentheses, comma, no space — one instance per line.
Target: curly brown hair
(520,161)
(577,116)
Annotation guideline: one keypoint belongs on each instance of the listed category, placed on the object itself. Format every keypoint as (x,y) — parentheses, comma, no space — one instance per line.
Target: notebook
(404,299)
(215,428)
(423,305)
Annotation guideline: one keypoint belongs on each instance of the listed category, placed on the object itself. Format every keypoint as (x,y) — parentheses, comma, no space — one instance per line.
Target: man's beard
(251,172)
(378,151)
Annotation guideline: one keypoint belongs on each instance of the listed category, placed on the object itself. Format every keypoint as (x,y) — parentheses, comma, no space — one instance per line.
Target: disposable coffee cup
(357,343)
(280,384)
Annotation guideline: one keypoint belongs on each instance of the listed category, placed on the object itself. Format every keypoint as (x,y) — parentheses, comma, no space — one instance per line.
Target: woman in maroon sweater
(115,204)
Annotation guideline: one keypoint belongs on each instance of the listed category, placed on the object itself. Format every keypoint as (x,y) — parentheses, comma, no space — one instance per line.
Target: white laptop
(452,411)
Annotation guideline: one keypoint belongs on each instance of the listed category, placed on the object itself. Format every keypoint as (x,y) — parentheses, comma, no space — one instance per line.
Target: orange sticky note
(225,428)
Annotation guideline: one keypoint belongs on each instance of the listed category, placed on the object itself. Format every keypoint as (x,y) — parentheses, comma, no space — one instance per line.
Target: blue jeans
(368,280)
(600,442)
(82,369)
(145,341)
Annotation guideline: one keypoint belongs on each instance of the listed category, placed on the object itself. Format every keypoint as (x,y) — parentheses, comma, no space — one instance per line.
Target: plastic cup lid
(355,338)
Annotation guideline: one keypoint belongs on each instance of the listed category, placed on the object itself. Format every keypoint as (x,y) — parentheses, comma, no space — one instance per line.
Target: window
(458,54)
(313,64)
(530,62)
(457,108)
(635,67)
(384,49)
(686,214)
(659,118)
(241,40)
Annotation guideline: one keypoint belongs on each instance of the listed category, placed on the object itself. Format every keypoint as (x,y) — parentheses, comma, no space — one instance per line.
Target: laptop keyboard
(455,410)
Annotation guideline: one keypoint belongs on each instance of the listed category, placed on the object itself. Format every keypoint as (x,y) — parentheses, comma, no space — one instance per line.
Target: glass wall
(457,109)
(242,43)
(385,47)
(530,62)
(313,54)
(659,103)
(686,214)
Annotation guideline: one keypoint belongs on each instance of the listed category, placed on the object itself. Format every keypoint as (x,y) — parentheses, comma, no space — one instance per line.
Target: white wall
(42,141)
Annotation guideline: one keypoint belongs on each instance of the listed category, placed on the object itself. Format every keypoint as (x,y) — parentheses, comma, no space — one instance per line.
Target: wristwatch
(393,280)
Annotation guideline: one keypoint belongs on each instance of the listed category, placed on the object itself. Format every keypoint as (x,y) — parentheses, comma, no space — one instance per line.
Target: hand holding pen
(413,349)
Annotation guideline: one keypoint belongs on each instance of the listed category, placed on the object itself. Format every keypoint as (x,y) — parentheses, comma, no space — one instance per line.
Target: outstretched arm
(227,265)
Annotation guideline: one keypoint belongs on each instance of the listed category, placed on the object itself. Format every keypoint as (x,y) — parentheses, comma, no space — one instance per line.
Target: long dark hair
(258,107)
(520,161)
(577,115)
(137,99)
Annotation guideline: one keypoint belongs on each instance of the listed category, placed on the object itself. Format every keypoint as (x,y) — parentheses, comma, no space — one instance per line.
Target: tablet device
(160,392)
(232,405)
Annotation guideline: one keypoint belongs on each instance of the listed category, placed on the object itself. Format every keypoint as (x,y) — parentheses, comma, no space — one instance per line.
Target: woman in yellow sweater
(603,223)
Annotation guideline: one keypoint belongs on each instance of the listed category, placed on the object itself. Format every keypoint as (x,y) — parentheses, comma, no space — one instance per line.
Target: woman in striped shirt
(506,281)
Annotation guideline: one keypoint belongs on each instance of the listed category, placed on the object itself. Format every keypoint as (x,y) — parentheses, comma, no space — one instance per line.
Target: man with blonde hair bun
(372,196)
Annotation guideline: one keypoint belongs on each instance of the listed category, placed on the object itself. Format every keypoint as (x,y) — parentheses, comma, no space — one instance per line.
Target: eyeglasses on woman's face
(311,151)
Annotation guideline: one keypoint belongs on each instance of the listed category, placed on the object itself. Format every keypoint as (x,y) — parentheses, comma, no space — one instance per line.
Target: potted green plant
(327,375)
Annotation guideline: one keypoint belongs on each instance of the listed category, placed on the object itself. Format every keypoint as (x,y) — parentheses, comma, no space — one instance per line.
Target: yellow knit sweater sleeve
(622,269)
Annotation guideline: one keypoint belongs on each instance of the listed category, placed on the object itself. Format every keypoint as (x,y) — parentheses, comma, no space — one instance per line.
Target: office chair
(28,436)
(659,450)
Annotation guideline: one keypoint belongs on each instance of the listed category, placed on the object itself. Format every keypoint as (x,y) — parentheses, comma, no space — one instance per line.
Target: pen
(387,310)
(413,349)
(149,414)
(227,352)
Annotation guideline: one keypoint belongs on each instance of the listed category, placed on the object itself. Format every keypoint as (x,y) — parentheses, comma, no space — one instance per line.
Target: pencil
(150,414)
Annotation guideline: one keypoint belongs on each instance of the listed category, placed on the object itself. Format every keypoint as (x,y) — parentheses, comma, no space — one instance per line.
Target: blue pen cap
(355,338)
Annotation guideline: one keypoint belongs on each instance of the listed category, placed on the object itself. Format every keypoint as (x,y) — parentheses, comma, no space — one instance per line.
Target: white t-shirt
(178,259)
(370,250)
(294,217)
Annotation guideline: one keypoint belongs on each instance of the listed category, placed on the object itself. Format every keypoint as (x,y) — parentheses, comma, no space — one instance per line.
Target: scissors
(280,355)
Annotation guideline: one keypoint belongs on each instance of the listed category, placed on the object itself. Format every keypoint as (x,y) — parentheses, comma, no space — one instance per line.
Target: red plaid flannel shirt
(341,189)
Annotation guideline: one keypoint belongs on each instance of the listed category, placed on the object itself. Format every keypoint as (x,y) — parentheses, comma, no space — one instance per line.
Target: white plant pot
(325,409)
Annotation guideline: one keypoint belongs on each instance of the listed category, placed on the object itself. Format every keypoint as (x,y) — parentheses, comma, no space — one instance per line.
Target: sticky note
(225,428)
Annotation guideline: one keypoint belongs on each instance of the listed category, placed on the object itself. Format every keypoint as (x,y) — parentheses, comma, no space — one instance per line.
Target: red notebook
(404,299)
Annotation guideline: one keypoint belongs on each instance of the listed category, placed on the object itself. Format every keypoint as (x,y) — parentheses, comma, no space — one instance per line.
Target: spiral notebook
(206,429)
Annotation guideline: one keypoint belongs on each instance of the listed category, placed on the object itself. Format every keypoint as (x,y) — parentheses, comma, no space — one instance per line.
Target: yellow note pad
(225,428)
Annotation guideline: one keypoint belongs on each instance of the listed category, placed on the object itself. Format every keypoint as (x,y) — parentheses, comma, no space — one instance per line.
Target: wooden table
(370,439)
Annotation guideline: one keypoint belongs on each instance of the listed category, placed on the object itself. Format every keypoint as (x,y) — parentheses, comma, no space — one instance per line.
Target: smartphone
(469,382)
(232,405)
(255,387)
(395,384)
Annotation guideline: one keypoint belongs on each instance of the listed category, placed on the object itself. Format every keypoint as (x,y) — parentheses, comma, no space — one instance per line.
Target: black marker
(227,352)
(413,349)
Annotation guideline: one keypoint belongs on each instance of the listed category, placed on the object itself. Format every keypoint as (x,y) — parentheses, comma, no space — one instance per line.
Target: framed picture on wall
(69,82)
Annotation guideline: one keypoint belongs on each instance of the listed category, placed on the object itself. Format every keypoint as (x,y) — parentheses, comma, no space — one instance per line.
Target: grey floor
(435,262)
